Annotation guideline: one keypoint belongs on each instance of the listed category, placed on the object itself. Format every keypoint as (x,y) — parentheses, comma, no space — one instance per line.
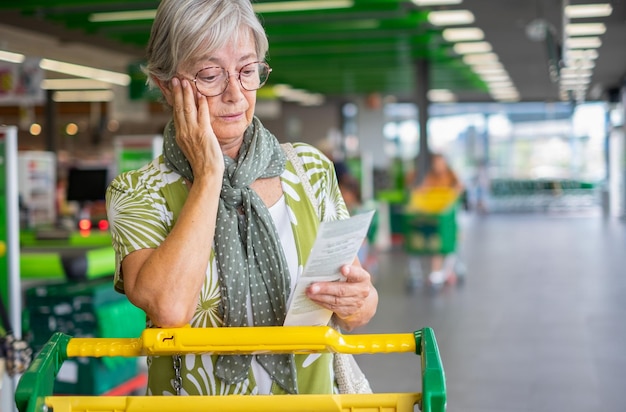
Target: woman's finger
(189,103)
(355,273)
(204,118)
(340,297)
(179,115)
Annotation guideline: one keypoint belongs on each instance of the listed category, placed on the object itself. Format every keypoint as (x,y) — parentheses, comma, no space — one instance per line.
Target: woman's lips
(232,116)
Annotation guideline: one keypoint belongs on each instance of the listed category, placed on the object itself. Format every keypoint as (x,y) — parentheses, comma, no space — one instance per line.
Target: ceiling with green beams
(368,46)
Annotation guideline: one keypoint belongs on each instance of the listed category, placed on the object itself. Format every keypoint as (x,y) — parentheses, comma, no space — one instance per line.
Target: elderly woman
(216,231)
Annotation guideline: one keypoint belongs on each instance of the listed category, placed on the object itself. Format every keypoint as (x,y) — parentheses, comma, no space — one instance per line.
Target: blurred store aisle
(538,326)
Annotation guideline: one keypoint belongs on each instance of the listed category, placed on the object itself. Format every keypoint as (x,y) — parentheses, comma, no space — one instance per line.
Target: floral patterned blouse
(143,206)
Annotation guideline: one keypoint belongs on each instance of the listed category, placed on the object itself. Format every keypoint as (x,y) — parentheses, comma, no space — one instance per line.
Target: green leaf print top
(143,206)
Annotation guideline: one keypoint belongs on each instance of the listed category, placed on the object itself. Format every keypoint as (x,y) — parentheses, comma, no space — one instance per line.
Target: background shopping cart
(430,230)
(34,391)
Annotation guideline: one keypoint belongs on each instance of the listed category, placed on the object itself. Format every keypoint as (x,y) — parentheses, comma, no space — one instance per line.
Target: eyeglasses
(213,81)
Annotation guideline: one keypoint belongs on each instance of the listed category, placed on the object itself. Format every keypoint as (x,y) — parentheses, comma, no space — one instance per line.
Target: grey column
(623,194)
(422,77)
(51,122)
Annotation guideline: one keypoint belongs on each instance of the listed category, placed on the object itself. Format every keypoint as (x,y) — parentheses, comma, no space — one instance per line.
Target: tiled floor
(539,325)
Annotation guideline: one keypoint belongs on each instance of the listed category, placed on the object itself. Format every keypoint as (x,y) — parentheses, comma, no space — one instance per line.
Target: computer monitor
(87,184)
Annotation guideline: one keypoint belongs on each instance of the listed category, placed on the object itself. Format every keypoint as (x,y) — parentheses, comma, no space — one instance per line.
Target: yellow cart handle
(230,341)
(38,381)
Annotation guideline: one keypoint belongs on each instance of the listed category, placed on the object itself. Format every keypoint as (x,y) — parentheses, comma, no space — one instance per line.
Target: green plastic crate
(93,376)
(68,307)
(84,309)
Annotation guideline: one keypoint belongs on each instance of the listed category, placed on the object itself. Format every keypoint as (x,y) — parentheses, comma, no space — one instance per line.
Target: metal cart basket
(34,391)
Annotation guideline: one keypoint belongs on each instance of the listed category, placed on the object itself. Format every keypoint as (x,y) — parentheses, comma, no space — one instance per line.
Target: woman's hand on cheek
(194,133)
(353,301)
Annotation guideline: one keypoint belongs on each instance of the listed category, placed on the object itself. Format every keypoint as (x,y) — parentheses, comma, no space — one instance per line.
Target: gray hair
(185,29)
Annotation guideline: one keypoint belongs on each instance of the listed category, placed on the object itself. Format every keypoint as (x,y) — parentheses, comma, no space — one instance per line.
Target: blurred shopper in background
(443,187)
(441,175)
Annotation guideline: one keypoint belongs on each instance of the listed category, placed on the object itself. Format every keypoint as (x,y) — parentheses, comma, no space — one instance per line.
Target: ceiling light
(482,69)
(569,72)
(107,76)
(577,80)
(480,58)
(122,16)
(450,17)
(573,86)
(573,78)
(581,55)
(35,129)
(472,47)
(495,65)
(537,29)
(73,84)
(504,89)
(580,11)
(424,3)
(583,42)
(287,93)
(585,29)
(507,93)
(301,5)
(316,99)
(580,64)
(11,57)
(463,34)
(503,84)
(495,77)
(83,96)
(504,92)
(71,129)
(441,96)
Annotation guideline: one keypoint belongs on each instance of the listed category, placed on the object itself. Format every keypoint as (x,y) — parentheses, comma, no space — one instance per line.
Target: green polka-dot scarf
(250,259)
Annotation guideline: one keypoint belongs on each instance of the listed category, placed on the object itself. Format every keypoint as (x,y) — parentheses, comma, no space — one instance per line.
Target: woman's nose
(233,85)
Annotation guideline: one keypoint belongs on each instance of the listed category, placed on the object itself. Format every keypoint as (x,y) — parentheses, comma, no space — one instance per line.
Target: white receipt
(337,244)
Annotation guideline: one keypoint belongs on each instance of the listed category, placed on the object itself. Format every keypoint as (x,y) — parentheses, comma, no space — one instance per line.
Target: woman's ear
(165,89)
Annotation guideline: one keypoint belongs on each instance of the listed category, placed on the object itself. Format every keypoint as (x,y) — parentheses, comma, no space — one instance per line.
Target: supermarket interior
(517,266)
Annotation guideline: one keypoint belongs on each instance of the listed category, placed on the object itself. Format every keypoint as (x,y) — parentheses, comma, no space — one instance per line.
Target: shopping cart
(430,231)
(34,391)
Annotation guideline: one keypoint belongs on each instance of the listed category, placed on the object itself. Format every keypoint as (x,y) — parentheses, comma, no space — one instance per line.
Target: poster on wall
(20,83)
